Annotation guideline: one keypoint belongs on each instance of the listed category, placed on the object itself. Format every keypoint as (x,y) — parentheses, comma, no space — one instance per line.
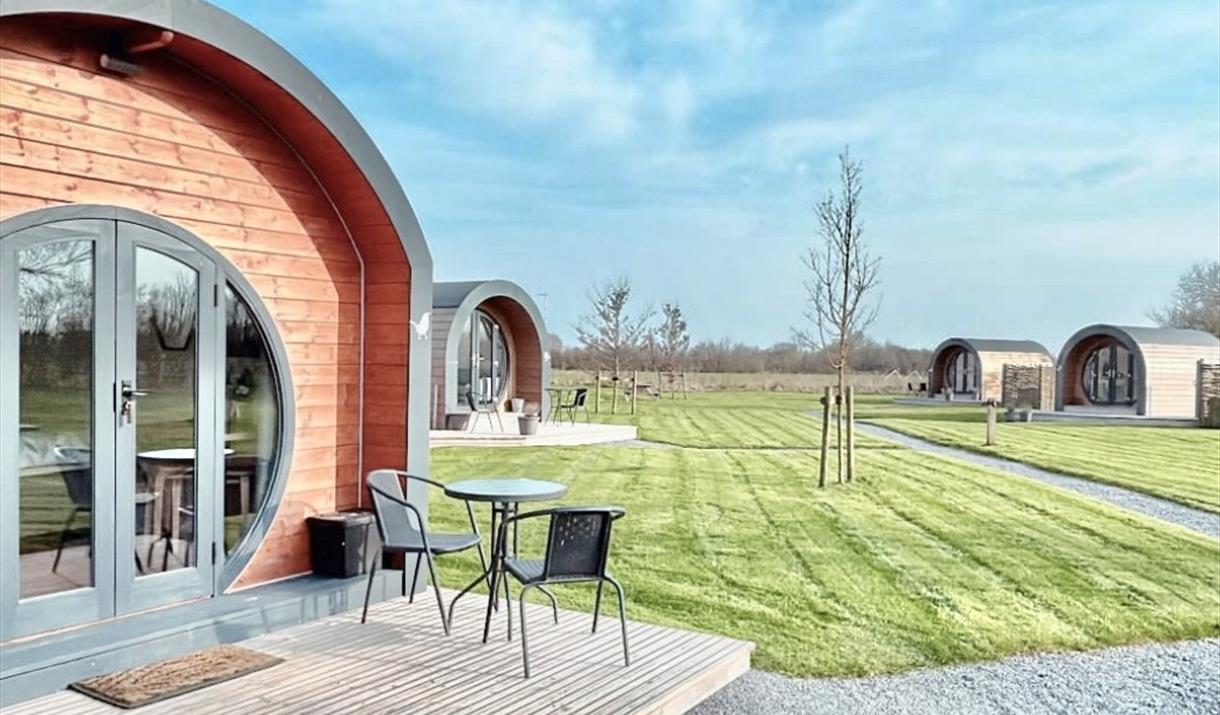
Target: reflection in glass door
(109,344)
(165,433)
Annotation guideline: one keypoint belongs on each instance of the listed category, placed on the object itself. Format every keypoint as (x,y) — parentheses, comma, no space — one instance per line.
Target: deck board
(400,661)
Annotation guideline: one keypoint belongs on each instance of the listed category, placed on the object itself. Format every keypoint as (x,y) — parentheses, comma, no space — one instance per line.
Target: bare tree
(1196,301)
(610,335)
(842,278)
(673,339)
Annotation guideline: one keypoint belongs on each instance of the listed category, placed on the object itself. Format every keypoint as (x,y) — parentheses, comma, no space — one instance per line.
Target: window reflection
(482,360)
(252,421)
(1109,375)
(55,397)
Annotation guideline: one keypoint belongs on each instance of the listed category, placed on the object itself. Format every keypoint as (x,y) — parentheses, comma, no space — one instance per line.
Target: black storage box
(337,543)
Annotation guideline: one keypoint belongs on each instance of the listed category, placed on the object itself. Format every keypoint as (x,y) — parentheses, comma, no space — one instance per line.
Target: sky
(1029,168)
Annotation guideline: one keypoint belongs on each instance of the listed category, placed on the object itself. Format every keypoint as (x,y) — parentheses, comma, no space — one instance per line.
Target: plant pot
(518,404)
(528,424)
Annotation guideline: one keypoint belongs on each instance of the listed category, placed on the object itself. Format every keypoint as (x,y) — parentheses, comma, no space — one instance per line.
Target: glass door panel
(167,316)
(56,540)
(484,362)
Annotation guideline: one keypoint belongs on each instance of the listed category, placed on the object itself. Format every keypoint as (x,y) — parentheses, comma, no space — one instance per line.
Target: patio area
(550,433)
(401,662)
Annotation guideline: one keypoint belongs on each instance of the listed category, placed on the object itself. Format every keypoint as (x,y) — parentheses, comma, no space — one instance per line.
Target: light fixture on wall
(117,60)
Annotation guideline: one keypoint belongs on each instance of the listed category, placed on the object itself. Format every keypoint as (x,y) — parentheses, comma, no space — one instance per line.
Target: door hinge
(215,295)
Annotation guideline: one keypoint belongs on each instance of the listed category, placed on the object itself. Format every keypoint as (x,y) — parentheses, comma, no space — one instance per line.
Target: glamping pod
(1151,372)
(488,344)
(973,368)
(207,273)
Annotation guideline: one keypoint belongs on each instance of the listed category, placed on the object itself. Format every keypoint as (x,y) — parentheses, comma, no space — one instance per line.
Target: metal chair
(579,398)
(78,482)
(577,551)
(478,411)
(402,531)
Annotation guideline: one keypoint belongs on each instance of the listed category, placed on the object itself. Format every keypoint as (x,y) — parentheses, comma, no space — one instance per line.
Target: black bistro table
(504,494)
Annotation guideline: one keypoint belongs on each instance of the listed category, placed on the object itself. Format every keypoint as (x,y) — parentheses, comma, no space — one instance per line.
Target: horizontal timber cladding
(207,143)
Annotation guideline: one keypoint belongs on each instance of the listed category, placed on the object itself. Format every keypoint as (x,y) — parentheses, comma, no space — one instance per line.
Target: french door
(110,346)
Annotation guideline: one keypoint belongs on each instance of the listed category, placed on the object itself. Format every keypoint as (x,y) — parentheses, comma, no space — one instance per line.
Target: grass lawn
(1181,464)
(924,561)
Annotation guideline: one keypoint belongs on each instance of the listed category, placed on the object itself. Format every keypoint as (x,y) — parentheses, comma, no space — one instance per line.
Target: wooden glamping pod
(1151,372)
(487,340)
(972,369)
(207,272)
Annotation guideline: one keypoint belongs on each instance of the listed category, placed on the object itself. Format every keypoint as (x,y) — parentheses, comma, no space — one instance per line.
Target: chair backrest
(394,521)
(472,401)
(76,468)
(578,543)
(578,400)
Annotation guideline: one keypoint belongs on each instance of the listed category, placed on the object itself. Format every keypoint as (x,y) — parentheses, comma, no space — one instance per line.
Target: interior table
(504,494)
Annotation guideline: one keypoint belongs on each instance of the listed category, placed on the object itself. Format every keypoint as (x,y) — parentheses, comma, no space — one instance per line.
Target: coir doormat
(169,678)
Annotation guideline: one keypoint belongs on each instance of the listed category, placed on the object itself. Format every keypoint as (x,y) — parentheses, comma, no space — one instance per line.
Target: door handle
(127,395)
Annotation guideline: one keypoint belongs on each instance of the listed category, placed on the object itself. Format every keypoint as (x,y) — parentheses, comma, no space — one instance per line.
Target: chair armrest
(423,530)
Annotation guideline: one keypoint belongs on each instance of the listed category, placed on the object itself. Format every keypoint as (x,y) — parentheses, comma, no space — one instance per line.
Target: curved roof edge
(465,296)
(994,345)
(1135,336)
(216,27)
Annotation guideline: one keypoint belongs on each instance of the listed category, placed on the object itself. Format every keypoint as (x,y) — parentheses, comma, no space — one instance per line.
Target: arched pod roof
(992,345)
(465,296)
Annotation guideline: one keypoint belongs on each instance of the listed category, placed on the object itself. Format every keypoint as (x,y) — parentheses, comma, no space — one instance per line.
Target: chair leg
(436,586)
(597,604)
(368,590)
(525,648)
(414,577)
(554,603)
(63,537)
(622,617)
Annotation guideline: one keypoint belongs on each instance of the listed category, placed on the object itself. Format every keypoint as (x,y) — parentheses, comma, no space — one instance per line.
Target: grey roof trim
(217,28)
(994,345)
(464,297)
(1161,336)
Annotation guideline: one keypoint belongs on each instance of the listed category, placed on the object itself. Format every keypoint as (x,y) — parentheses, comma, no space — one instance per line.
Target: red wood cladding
(204,141)
(525,347)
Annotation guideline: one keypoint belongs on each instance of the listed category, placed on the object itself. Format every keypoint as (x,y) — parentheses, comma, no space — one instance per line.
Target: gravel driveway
(1181,678)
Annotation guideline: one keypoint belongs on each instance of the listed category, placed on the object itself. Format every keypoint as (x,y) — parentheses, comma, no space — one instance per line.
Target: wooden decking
(401,662)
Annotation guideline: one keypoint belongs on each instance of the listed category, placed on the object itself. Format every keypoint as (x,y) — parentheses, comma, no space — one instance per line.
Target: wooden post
(851,433)
(991,423)
(684,385)
(1200,396)
(614,382)
(841,466)
(597,394)
(635,384)
(660,392)
(825,438)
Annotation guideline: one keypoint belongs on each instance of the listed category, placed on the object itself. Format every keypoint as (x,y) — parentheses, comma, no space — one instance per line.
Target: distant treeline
(727,356)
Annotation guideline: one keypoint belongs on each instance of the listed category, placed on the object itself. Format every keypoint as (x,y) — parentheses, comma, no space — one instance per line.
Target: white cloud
(521,62)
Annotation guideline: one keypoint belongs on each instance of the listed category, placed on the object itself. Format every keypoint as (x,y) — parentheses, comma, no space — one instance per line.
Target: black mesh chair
(402,531)
(579,400)
(477,411)
(577,550)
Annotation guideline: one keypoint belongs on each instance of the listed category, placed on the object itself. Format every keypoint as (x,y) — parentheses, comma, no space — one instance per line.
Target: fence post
(660,392)
(851,433)
(635,384)
(684,385)
(1199,391)
(615,387)
(990,423)
(597,394)
(825,438)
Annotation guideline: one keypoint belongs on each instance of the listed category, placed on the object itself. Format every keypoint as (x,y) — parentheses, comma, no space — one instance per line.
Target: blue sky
(1030,167)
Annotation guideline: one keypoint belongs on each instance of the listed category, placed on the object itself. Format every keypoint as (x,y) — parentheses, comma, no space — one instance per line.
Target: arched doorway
(149,429)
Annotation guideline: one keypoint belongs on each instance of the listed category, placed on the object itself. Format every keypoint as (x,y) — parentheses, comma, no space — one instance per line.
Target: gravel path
(1204,522)
(1161,678)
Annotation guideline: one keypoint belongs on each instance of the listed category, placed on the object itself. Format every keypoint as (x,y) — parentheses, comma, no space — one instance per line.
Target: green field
(1181,464)
(923,561)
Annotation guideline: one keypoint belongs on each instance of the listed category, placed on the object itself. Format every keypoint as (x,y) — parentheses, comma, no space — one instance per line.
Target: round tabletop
(505,489)
(181,454)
